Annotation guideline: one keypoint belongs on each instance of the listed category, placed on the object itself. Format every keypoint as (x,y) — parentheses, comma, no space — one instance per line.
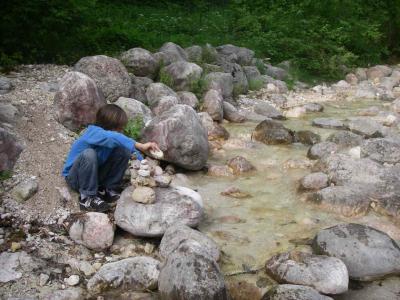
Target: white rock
(144,173)
(355,152)
(43,279)
(72,280)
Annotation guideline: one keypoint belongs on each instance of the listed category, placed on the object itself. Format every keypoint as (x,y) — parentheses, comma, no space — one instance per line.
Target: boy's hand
(147,146)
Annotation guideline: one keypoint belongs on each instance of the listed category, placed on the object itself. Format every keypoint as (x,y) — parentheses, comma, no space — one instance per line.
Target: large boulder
(232,114)
(194,54)
(188,98)
(182,75)
(172,205)
(267,110)
(131,274)
(377,72)
(366,90)
(180,134)
(276,72)
(134,109)
(15,265)
(240,83)
(8,113)
(138,88)
(93,230)
(272,132)
(10,149)
(366,127)
(5,85)
(243,56)
(322,149)
(214,130)
(314,181)
(381,150)
(239,165)
(140,62)
(178,233)
(220,81)
(169,53)
(345,139)
(190,273)
(327,275)
(109,74)
(213,105)
(361,74)
(253,75)
(367,253)
(155,91)
(306,137)
(77,101)
(293,292)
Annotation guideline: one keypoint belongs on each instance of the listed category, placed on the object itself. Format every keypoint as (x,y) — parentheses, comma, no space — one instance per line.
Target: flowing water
(251,230)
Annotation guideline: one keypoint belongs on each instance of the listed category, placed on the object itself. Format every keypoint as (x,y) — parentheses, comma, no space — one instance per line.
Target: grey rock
(50,87)
(171,205)
(138,88)
(183,76)
(189,273)
(268,111)
(368,253)
(77,101)
(252,74)
(272,132)
(181,136)
(25,190)
(155,91)
(293,292)
(5,85)
(313,107)
(8,113)
(14,265)
(366,127)
(326,274)
(240,83)
(388,83)
(213,105)
(188,98)
(140,62)
(93,230)
(366,90)
(328,123)
(276,72)
(43,279)
(164,104)
(194,53)
(135,109)
(243,56)
(361,74)
(378,72)
(279,100)
(231,113)
(178,233)
(282,86)
(306,137)
(133,274)
(322,149)
(220,81)
(210,54)
(352,78)
(314,181)
(381,150)
(210,68)
(72,280)
(239,165)
(109,74)
(10,149)
(345,139)
(172,53)
(75,293)
(214,130)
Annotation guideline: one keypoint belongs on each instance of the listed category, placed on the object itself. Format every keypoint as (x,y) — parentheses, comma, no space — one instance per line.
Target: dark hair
(111,117)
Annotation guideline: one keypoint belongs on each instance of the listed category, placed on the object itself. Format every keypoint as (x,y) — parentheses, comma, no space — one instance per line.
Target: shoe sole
(84,208)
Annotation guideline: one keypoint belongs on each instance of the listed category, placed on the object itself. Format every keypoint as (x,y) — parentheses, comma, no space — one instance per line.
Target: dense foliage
(319,36)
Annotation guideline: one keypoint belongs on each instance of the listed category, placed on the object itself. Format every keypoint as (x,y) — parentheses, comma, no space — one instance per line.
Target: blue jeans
(85,175)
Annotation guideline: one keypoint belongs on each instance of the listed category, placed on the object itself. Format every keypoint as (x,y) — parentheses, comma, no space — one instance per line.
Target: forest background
(321,38)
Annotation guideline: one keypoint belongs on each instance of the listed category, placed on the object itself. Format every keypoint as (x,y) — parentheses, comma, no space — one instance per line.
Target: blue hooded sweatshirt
(103,141)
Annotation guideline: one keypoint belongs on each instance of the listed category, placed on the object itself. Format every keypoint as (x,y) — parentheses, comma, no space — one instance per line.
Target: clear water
(249,231)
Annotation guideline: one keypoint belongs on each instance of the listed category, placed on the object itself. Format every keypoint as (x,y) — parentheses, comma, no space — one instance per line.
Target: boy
(99,158)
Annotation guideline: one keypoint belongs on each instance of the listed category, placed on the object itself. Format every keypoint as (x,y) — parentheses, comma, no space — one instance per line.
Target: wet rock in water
(144,194)
(243,290)
(213,105)
(313,107)
(240,165)
(188,98)
(219,171)
(182,75)
(306,137)
(272,132)
(221,82)
(140,62)
(314,181)
(381,150)
(77,101)
(321,150)
(135,109)
(178,233)
(293,292)
(297,163)
(181,136)
(328,123)
(377,72)
(190,273)
(388,289)
(151,220)
(14,265)
(368,112)
(5,85)
(75,293)
(345,139)
(346,200)
(366,127)
(8,113)
(295,112)
(134,274)
(367,253)
(268,111)
(234,192)
(232,114)
(25,190)
(109,74)
(138,88)
(93,230)
(10,149)
(326,274)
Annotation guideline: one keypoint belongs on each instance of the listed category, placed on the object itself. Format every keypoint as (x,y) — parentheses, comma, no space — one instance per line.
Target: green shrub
(260,66)
(255,84)
(4,175)
(134,127)
(166,78)
(198,87)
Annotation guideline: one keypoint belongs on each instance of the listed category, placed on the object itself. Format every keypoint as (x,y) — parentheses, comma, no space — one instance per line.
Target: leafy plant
(260,66)
(134,127)
(4,175)
(166,78)
(255,84)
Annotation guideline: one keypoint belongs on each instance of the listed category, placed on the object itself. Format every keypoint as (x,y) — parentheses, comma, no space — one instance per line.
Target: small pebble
(148,248)
(72,280)
(97,265)
(43,279)
(15,246)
